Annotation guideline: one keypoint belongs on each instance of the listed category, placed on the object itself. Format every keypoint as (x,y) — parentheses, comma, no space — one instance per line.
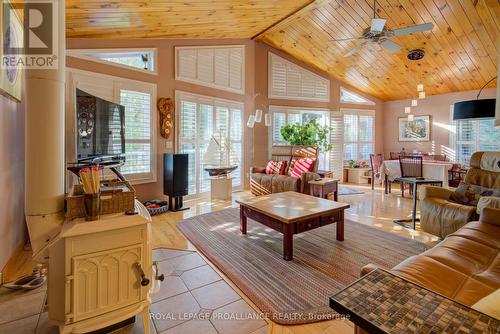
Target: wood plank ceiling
(461,50)
(174,18)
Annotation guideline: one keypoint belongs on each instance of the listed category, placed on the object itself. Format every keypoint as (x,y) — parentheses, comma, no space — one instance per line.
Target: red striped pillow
(301,166)
(276,167)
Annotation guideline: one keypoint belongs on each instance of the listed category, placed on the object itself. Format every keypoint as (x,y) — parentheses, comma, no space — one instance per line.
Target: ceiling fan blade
(377,25)
(355,49)
(411,29)
(389,45)
(344,39)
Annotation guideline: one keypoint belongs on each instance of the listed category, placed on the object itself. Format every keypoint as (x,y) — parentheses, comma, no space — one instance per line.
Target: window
(221,67)
(359,138)
(136,59)
(200,117)
(138,134)
(290,81)
(471,135)
(347,96)
(285,115)
(138,99)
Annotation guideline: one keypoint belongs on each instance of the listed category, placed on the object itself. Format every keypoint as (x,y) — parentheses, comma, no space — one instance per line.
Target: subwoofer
(175,179)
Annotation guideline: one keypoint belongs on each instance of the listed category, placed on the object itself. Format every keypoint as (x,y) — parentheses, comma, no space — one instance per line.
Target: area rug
(343,190)
(297,291)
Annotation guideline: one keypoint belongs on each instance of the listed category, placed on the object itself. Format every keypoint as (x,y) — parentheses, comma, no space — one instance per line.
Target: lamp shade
(484,108)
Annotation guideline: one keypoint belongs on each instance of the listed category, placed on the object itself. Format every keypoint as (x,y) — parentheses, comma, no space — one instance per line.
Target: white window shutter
(216,67)
(290,81)
(205,60)
(222,67)
(236,68)
(100,87)
(337,141)
(186,63)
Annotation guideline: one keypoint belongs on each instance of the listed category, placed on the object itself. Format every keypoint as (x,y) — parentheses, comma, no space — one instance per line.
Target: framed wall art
(416,130)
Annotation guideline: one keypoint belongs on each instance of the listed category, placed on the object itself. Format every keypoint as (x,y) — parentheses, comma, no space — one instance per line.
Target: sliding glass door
(200,117)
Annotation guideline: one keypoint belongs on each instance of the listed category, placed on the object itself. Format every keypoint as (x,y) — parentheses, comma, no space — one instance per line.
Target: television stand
(175,203)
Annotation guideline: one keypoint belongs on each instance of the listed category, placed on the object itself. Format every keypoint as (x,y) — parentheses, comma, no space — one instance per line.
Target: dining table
(438,170)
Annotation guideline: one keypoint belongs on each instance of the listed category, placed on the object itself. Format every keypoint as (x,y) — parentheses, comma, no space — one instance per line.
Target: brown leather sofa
(441,216)
(465,266)
(264,184)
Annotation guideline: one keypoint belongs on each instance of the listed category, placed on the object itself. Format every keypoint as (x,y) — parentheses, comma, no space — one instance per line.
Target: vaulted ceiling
(461,51)
(175,18)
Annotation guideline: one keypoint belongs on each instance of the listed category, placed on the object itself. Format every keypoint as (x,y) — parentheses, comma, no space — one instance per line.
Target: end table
(323,187)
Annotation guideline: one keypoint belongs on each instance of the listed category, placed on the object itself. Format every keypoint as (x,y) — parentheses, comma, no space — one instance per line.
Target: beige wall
(261,86)
(12,224)
(438,106)
(255,146)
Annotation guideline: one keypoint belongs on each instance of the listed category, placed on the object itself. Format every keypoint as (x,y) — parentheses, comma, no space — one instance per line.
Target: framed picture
(417,130)
(10,78)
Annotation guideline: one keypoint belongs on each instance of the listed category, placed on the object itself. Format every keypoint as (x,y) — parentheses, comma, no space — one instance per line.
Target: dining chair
(376,164)
(395,155)
(410,167)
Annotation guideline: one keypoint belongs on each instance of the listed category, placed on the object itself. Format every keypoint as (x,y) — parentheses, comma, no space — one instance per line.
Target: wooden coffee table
(292,213)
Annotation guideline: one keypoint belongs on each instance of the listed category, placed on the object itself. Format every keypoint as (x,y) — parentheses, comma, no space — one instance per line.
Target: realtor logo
(32,43)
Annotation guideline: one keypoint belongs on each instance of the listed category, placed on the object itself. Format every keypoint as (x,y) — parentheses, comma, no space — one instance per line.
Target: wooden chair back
(411,166)
(376,162)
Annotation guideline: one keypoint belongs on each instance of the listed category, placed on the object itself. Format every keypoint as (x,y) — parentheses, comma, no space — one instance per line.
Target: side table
(383,303)
(323,187)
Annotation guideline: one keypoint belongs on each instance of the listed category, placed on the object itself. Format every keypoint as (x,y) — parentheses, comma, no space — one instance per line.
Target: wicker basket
(116,197)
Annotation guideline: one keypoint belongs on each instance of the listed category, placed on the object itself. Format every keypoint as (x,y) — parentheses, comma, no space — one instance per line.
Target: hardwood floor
(372,207)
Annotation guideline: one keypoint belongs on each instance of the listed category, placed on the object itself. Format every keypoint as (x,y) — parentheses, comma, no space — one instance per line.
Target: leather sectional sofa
(465,266)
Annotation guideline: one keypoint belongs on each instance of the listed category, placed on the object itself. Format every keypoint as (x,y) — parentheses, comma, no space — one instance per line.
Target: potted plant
(308,134)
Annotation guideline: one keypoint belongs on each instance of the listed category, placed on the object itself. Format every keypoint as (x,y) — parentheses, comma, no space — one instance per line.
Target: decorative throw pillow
(276,167)
(470,194)
(300,166)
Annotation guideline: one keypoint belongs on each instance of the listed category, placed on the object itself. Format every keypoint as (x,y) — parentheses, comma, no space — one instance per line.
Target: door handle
(144,280)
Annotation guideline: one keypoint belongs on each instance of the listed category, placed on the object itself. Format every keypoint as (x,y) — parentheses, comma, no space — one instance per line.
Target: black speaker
(175,179)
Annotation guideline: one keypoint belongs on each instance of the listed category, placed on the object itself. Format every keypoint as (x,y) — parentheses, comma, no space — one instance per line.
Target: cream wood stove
(100,272)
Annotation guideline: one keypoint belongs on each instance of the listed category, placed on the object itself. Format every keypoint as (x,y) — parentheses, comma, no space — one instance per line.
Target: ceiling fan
(379,34)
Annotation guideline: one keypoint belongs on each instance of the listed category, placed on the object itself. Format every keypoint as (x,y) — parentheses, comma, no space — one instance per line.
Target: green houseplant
(308,134)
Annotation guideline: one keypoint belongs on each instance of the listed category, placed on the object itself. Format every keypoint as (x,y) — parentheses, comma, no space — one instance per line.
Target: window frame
(215,102)
(294,111)
(82,54)
(208,84)
(270,93)
(367,102)
(358,112)
(475,142)
(74,77)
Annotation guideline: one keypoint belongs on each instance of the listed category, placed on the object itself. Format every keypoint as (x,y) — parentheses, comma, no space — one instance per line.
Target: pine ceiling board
(171,19)
(430,70)
(461,50)
(443,48)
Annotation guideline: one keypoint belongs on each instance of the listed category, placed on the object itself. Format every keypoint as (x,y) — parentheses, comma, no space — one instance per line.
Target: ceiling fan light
(407,110)
(421,95)
(411,118)
(414,103)
(420,87)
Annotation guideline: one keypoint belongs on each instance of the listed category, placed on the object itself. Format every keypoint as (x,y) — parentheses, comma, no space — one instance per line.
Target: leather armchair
(441,216)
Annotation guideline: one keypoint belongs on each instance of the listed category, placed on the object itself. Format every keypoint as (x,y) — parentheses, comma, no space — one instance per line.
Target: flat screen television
(100,128)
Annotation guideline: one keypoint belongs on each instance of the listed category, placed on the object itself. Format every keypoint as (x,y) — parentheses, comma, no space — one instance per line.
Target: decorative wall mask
(167,115)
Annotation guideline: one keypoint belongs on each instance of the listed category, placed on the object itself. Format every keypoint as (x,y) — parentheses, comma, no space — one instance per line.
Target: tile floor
(192,299)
